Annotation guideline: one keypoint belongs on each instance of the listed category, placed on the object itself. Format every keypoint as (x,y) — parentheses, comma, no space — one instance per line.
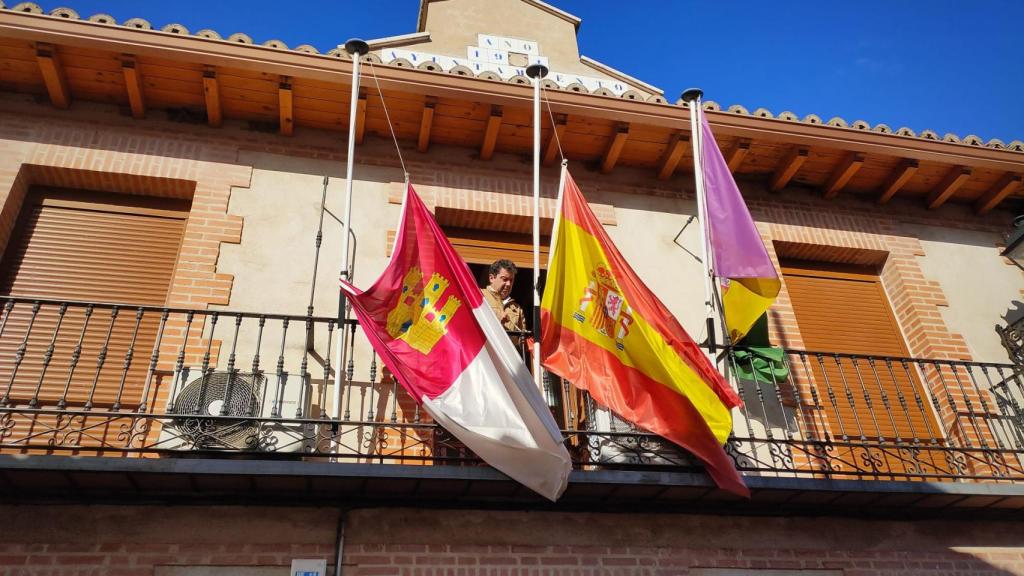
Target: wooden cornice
(677,146)
(788,167)
(842,174)
(954,179)
(554,142)
(133,85)
(53,75)
(361,117)
(491,133)
(898,179)
(286,119)
(193,49)
(1002,188)
(211,94)
(736,156)
(426,123)
(618,142)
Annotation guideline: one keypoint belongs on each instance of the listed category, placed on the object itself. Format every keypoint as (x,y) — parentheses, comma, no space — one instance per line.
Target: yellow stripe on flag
(745,300)
(576,263)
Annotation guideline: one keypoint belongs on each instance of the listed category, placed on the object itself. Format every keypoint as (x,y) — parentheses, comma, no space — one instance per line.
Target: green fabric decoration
(762,363)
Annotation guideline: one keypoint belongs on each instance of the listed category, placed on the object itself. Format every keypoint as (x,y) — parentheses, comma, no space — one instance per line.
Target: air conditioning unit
(236,411)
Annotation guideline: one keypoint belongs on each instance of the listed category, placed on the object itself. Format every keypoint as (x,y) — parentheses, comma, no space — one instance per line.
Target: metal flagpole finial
(356,46)
(536,70)
(691,94)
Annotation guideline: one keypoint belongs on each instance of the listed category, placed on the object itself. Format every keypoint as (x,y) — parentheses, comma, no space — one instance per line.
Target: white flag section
(496,410)
(428,321)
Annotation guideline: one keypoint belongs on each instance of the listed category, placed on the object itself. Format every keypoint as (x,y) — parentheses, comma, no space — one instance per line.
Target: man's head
(501,276)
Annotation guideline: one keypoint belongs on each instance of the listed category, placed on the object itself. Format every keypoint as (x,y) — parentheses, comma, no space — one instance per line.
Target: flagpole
(537,72)
(692,97)
(356,48)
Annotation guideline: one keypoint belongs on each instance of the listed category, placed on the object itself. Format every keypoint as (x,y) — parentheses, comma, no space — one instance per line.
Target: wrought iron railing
(109,380)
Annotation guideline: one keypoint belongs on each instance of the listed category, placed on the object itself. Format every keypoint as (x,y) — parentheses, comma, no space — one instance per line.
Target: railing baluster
(229,390)
(868,402)
(818,408)
(327,371)
(932,435)
(275,409)
(19,355)
(154,360)
(304,383)
(256,363)
(903,401)
(76,354)
(849,397)
(972,415)
(885,399)
(128,360)
(101,358)
(8,306)
(350,371)
(952,404)
(204,383)
(180,370)
(832,398)
(373,385)
(48,356)
(1016,424)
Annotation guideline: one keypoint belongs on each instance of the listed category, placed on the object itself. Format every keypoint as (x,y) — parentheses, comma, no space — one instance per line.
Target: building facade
(170,209)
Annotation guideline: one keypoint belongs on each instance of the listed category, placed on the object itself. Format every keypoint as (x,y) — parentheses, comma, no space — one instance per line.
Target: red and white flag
(427,320)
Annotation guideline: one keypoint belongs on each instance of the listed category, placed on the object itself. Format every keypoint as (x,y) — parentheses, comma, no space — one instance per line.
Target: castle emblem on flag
(416,318)
(611,316)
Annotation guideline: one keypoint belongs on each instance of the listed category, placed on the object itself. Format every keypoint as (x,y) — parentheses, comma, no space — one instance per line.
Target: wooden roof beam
(954,179)
(898,179)
(211,92)
(426,122)
(491,133)
(361,117)
(284,99)
(53,75)
(842,174)
(999,192)
(133,84)
(792,162)
(677,147)
(558,132)
(738,153)
(615,148)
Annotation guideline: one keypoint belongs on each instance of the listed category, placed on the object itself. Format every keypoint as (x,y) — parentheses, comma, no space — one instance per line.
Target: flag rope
(387,116)
(558,141)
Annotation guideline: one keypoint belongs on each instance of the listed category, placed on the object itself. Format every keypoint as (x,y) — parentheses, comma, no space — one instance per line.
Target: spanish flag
(604,331)
(749,281)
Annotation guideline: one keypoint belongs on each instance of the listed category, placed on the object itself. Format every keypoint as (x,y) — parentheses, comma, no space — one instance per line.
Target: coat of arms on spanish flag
(604,331)
(427,320)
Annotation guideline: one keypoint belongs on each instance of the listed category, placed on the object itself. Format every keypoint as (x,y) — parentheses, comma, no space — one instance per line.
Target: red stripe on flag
(637,398)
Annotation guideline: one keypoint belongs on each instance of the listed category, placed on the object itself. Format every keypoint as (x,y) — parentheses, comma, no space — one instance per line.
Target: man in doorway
(500,277)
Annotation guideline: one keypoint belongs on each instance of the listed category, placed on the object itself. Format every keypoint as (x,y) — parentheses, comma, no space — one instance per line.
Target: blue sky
(945,65)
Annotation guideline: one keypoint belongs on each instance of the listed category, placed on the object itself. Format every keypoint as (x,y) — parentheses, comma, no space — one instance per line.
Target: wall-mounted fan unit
(216,410)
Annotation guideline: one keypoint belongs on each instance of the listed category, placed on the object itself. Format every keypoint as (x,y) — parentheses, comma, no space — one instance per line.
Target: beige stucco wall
(980,287)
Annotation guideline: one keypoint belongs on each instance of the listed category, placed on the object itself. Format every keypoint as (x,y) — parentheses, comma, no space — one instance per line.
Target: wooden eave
(176,72)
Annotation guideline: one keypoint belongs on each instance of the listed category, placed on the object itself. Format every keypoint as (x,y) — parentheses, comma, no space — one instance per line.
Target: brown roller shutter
(86,247)
(484,246)
(844,309)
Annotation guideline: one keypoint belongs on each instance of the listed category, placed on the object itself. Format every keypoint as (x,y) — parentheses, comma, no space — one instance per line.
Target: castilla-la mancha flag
(607,333)
(427,320)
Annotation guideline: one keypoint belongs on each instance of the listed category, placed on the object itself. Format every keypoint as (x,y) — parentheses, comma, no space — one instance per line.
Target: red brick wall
(136,541)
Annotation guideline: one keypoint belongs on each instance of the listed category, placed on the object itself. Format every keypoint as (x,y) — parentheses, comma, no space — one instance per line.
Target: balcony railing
(137,381)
